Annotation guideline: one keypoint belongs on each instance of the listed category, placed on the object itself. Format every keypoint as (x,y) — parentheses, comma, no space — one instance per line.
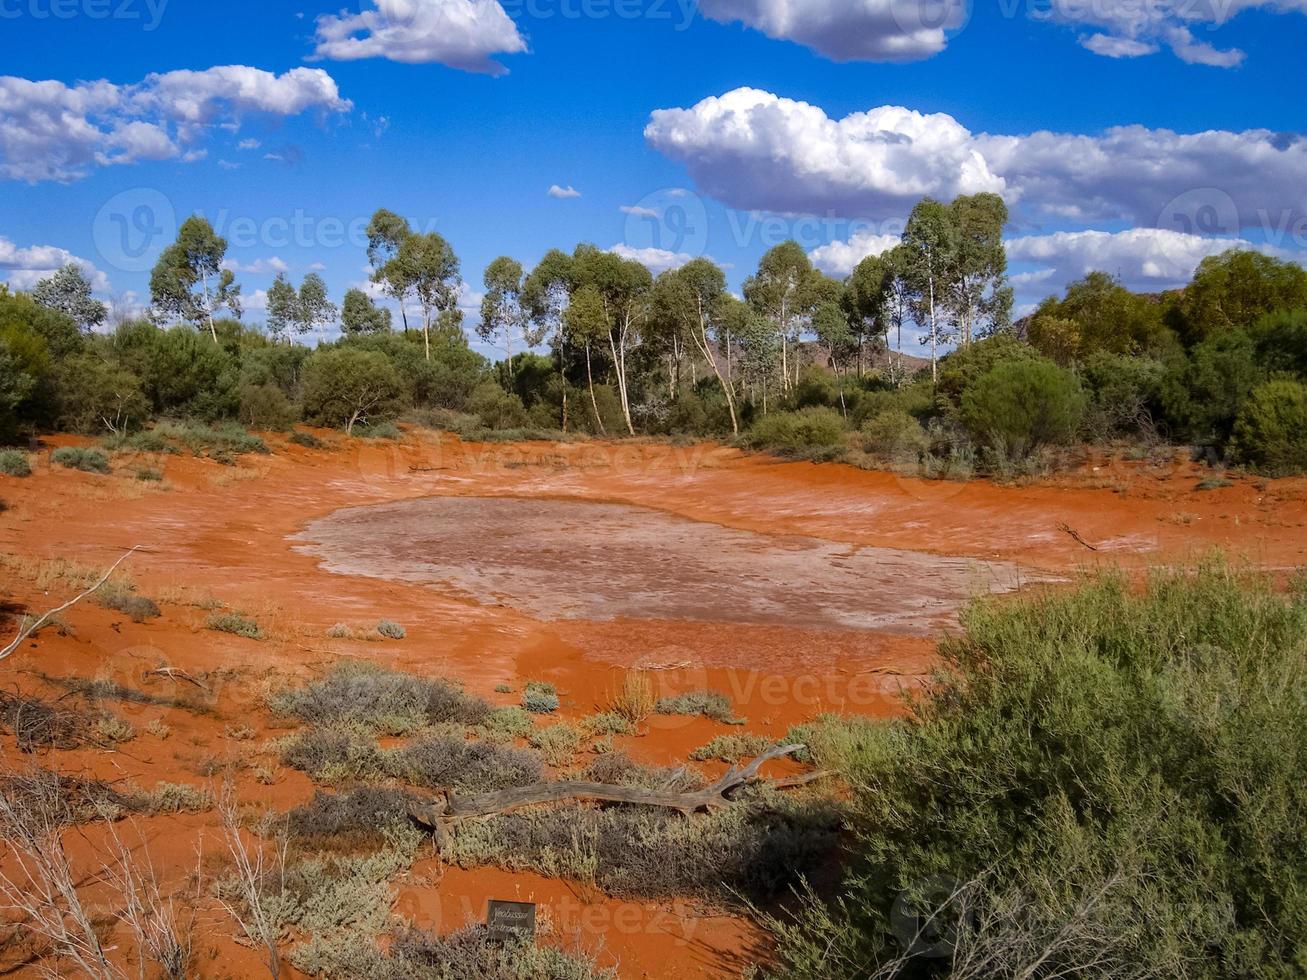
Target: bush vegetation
(1110,779)
(815,377)
(79,458)
(14,463)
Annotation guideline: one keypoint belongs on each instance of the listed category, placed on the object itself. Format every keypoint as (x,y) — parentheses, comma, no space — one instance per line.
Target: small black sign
(511,921)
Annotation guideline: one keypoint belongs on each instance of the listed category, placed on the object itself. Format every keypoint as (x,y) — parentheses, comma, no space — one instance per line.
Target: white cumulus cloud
(563,193)
(24,267)
(656,260)
(757,151)
(840,258)
(53,131)
(850,30)
(459,33)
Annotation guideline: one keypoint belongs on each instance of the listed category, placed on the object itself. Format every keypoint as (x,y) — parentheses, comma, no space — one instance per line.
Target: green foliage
(236,624)
(808,428)
(497,408)
(1022,406)
(731,748)
(96,394)
(708,704)
(379,700)
(1232,290)
(266,406)
(1203,393)
(1270,434)
(14,462)
(346,386)
(1281,342)
(557,743)
(1098,315)
(895,435)
(540,698)
(1124,394)
(1112,778)
(80,458)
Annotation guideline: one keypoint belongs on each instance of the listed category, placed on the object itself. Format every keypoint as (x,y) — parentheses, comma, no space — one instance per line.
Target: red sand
(224,532)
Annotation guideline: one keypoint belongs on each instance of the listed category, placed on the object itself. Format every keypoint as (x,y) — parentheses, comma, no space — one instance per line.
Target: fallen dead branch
(177,674)
(443,814)
(1068,529)
(24,631)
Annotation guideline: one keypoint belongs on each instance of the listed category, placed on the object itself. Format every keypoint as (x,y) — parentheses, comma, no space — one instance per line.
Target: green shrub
(732,748)
(380,430)
(379,700)
(450,762)
(333,754)
(557,743)
(235,623)
(1020,407)
(1270,434)
(507,724)
(178,798)
(345,387)
(808,428)
(123,598)
(391,630)
(306,439)
(894,435)
(149,474)
(496,408)
(540,698)
(266,406)
(13,462)
(79,458)
(709,704)
(1113,780)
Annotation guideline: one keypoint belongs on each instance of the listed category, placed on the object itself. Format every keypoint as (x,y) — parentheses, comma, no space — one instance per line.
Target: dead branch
(177,674)
(24,631)
(1068,529)
(442,814)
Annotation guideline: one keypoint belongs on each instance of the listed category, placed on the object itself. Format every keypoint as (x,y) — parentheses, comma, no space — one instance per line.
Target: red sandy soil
(224,532)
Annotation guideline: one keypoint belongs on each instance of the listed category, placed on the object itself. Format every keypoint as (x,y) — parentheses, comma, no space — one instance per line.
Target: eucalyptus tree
(360,315)
(930,248)
(835,328)
(299,311)
(587,323)
(188,281)
(503,313)
(546,294)
(867,303)
(427,265)
(624,287)
(780,291)
(760,349)
(386,232)
(693,294)
(68,291)
(977,290)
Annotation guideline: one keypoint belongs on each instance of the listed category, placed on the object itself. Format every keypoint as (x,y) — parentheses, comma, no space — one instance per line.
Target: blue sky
(724,126)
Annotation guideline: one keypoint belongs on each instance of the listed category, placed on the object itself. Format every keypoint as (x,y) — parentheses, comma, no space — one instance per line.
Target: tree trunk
(590,381)
(619,359)
(701,338)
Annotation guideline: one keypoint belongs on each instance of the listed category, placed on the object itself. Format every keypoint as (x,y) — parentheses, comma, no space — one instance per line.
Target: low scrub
(634,701)
(382,701)
(708,704)
(391,630)
(14,462)
(731,748)
(540,698)
(758,848)
(449,762)
(469,954)
(1270,434)
(236,624)
(354,820)
(557,743)
(801,431)
(123,597)
(79,458)
(1112,780)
